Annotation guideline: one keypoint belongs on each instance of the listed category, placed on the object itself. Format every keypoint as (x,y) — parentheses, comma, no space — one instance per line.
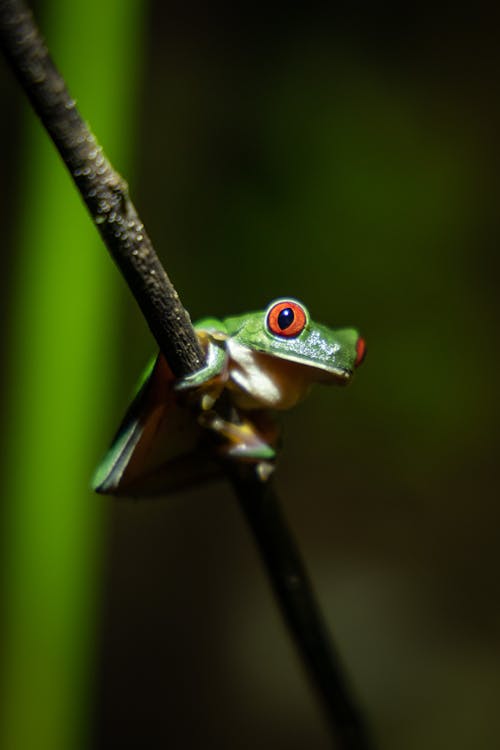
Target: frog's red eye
(286,318)
(360,351)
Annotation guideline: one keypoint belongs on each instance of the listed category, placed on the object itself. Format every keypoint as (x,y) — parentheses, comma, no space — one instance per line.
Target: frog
(180,431)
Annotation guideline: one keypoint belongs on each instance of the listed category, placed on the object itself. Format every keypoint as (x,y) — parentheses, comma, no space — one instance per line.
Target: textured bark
(104,191)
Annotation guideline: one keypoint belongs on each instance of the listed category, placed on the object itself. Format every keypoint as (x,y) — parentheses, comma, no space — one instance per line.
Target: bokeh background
(348,158)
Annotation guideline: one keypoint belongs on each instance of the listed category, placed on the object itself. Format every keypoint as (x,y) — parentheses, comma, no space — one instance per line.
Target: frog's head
(285,330)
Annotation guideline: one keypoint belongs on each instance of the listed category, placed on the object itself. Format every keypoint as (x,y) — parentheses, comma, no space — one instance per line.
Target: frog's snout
(360,351)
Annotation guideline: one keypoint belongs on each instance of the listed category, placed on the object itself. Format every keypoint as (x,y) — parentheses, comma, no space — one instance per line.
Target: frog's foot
(241,440)
(210,395)
(264,470)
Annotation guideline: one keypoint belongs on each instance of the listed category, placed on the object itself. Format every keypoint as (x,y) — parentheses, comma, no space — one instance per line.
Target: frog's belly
(262,381)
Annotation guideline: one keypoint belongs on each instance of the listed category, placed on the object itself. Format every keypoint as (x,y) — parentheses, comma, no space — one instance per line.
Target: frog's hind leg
(242,441)
(239,440)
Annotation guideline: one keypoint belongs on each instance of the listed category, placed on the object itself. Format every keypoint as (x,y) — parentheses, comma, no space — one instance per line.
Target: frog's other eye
(286,318)
(360,351)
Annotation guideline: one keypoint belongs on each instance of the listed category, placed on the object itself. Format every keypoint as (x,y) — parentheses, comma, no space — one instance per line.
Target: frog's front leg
(210,380)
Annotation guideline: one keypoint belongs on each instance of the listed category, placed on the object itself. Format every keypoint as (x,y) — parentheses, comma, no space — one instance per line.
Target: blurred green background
(349,159)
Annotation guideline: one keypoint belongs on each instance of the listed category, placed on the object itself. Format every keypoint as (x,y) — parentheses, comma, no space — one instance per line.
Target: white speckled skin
(263,381)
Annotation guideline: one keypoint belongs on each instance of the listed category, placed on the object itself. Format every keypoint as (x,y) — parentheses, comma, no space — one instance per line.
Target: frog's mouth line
(335,375)
(338,375)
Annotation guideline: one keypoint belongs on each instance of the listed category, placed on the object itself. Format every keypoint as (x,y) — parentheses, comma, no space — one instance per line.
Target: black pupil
(285,318)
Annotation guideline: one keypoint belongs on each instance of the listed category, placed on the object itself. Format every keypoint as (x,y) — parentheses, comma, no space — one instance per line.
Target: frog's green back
(211,324)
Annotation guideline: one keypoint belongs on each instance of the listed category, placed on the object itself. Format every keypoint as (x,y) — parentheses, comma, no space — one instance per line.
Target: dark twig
(295,596)
(103,190)
(106,196)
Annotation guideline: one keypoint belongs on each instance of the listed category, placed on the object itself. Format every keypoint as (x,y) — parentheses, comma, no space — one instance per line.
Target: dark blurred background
(350,159)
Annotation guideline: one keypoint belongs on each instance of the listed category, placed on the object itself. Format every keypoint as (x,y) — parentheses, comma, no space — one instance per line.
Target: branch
(290,583)
(106,196)
(104,191)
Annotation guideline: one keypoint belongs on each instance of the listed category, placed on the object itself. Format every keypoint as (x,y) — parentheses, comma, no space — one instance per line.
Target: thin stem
(291,585)
(105,193)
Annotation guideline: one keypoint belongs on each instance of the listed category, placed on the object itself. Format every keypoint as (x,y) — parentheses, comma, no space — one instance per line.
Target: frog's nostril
(360,351)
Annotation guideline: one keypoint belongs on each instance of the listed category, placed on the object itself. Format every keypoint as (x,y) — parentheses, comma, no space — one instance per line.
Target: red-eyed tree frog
(176,433)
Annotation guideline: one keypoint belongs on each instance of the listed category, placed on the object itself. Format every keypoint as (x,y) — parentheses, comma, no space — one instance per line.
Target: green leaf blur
(63,338)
